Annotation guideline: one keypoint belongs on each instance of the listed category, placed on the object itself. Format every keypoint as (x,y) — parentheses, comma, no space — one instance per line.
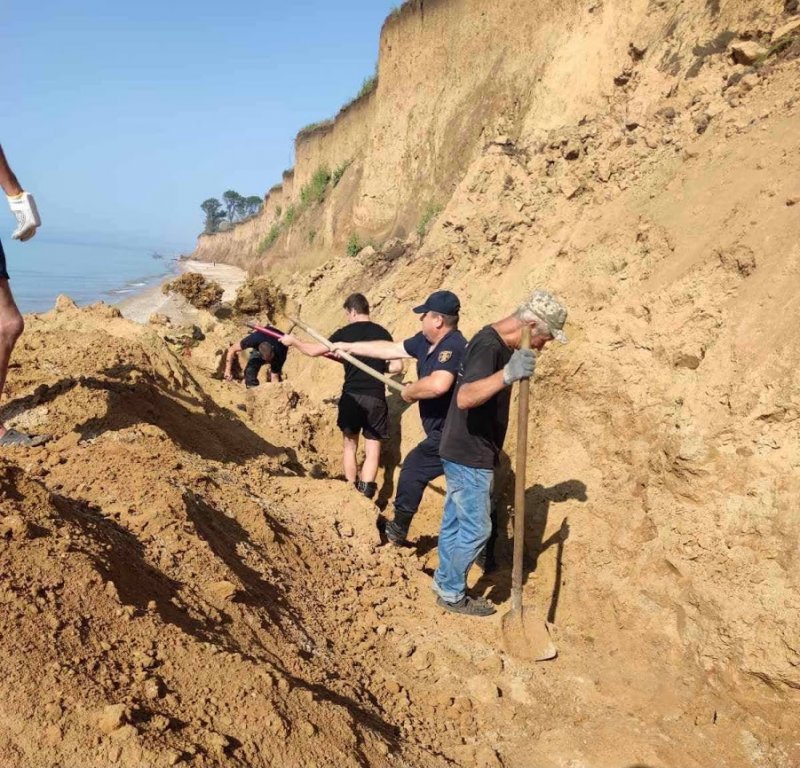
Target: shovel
(524,635)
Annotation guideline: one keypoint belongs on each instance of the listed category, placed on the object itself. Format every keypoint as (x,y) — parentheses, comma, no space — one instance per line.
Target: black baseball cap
(443,302)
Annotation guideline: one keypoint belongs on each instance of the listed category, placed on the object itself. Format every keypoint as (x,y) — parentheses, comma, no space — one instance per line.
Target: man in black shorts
(11,323)
(264,350)
(362,405)
(438,349)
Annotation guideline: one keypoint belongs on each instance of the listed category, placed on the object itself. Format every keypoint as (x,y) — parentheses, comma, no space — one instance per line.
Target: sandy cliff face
(451,75)
(187,581)
(640,159)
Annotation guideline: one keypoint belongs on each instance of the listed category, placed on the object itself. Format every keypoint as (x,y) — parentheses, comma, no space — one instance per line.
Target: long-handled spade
(524,635)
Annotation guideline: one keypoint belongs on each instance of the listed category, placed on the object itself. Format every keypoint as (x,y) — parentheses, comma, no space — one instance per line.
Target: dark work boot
(397,529)
(395,534)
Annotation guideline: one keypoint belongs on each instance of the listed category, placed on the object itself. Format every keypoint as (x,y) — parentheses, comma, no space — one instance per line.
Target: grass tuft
(431,212)
(269,240)
(339,172)
(314,191)
(354,245)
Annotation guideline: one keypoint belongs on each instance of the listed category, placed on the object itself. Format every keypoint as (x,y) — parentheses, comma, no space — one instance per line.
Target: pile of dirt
(200,292)
(155,586)
(660,202)
(260,296)
(185,579)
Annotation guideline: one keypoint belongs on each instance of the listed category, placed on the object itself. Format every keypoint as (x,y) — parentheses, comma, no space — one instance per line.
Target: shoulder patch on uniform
(445,356)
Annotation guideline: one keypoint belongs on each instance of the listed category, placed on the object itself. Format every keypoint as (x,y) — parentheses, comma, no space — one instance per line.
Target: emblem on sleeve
(445,356)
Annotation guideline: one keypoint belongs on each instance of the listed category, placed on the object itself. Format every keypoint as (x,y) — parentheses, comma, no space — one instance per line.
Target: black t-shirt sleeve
(253,340)
(337,336)
(481,361)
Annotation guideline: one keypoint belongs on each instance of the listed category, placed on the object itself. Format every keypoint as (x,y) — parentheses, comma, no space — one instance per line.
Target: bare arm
(428,387)
(310,348)
(478,392)
(8,181)
(379,350)
(232,350)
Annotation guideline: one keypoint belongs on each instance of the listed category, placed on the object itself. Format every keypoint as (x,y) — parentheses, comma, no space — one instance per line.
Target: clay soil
(186,580)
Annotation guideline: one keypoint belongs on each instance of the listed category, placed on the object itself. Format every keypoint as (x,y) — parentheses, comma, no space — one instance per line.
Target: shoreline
(140,306)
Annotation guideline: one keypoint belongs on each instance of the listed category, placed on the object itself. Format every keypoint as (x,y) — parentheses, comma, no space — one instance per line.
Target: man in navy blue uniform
(438,349)
(265,350)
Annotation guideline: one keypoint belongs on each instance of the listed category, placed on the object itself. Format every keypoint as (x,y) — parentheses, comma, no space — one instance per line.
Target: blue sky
(123,117)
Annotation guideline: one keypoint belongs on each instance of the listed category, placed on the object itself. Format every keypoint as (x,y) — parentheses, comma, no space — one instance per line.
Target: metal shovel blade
(527,637)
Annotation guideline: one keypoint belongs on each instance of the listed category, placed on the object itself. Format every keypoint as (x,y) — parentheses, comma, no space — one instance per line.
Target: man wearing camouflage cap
(473,437)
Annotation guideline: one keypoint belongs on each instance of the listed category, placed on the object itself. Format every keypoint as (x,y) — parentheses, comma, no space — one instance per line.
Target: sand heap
(184,581)
(664,457)
(155,608)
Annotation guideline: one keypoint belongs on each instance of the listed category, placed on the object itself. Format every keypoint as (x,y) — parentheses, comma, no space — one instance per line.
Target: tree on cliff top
(252,205)
(233,203)
(236,208)
(214,214)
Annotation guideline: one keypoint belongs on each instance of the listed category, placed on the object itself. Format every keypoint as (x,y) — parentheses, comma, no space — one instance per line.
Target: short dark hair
(266,350)
(449,321)
(357,302)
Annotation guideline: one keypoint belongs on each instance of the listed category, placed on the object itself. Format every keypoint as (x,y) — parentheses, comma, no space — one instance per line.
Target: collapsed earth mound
(641,160)
(196,289)
(260,296)
(156,609)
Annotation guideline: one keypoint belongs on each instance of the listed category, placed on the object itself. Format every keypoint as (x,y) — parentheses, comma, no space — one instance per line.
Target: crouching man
(264,350)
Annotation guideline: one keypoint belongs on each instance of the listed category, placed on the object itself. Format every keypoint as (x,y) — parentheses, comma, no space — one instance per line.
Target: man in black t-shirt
(264,350)
(437,348)
(473,437)
(362,405)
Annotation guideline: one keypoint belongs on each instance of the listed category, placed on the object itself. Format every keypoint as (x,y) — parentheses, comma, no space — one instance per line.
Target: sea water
(41,269)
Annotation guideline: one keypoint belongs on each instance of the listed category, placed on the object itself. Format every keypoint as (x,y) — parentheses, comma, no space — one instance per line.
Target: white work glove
(521,366)
(23,206)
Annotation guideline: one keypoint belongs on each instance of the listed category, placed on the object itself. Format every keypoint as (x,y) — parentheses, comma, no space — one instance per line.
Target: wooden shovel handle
(519,485)
(347,356)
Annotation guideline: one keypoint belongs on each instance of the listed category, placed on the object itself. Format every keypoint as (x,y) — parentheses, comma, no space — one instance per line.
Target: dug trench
(184,581)
(178,588)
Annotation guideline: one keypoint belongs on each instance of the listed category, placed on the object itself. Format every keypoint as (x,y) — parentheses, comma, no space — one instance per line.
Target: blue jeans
(466,526)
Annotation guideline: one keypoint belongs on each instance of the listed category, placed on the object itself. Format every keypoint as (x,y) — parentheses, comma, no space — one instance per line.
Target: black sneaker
(394,533)
(470,606)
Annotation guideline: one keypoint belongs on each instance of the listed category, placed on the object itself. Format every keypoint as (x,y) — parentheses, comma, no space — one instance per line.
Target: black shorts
(3,271)
(363,413)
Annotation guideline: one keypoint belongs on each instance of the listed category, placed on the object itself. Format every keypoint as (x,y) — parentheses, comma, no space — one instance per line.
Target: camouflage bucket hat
(548,308)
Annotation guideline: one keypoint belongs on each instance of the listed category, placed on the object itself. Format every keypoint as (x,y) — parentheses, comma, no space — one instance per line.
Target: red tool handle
(274,335)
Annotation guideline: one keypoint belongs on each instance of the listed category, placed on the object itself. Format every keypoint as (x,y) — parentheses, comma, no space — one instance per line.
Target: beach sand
(142,305)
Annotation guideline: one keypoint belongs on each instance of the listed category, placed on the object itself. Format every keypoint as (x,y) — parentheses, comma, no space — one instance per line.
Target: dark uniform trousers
(420,467)
(254,365)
